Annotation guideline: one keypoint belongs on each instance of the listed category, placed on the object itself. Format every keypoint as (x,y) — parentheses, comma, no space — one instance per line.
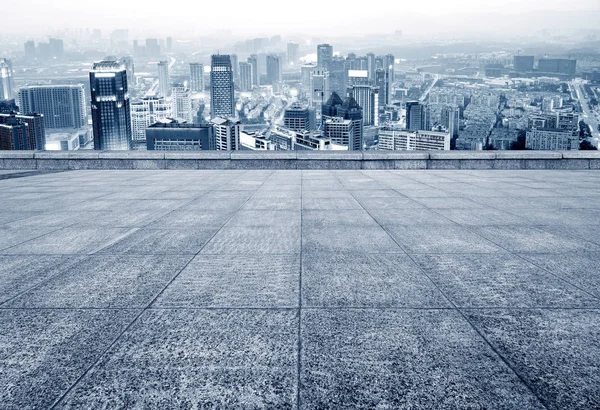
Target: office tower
(169,44)
(367,98)
(235,67)
(197,77)
(253,59)
(397,139)
(297,118)
(273,69)
(292,53)
(382,82)
(182,103)
(127,61)
(389,63)
(110,106)
(523,64)
(306,74)
(152,48)
(226,134)
(338,77)
(343,121)
(371,67)
(417,116)
(324,55)
(450,119)
(57,48)
(245,82)
(164,79)
(175,136)
(63,106)
(557,65)
(7,85)
(146,112)
(358,77)
(30,50)
(222,102)
(22,132)
(319,88)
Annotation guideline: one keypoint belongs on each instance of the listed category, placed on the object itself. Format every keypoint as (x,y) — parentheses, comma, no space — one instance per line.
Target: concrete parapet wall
(64,160)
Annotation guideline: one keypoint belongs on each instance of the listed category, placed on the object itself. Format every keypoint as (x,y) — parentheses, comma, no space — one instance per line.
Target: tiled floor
(300,289)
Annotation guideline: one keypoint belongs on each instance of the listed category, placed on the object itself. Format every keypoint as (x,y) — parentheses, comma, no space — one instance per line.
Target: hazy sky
(247,17)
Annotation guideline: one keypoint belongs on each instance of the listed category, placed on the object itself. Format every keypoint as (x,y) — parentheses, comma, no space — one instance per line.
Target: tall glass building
(197,77)
(222,102)
(7,86)
(110,106)
(63,106)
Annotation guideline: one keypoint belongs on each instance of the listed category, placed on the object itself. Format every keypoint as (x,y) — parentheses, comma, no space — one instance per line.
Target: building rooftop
(299,289)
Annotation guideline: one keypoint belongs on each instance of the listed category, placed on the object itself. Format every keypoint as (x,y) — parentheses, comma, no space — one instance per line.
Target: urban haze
(308,205)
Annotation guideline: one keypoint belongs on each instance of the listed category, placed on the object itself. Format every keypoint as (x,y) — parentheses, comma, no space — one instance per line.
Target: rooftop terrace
(299,289)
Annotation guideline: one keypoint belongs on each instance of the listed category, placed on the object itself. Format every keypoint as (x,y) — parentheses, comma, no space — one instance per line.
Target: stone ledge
(300,160)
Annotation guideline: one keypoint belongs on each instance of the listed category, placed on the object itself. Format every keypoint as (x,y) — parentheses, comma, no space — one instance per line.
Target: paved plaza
(299,289)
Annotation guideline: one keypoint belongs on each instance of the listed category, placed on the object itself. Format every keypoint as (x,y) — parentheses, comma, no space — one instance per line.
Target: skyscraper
(169,44)
(292,53)
(450,117)
(63,106)
(324,55)
(110,106)
(297,118)
(182,103)
(417,116)
(253,59)
(197,77)
(235,67)
(152,48)
(146,112)
(22,132)
(7,85)
(371,67)
(382,81)
(127,61)
(367,98)
(343,121)
(222,102)
(338,76)
(30,50)
(57,48)
(306,74)
(319,87)
(273,69)
(164,79)
(227,134)
(245,82)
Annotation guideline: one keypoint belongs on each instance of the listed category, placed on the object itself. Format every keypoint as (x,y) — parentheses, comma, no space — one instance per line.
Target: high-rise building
(30,50)
(169,44)
(358,77)
(306,74)
(367,98)
(222,101)
(235,67)
(7,85)
(335,113)
(127,61)
(253,59)
(382,82)
(324,55)
(22,132)
(152,48)
(273,69)
(182,103)
(319,87)
(111,116)
(297,118)
(557,65)
(450,117)
(146,112)
(164,79)
(551,139)
(227,134)
(245,83)
(197,77)
(417,116)
(175,136)
(338,77)
(523,64)
(371,67)
(57,48)
(397,139)
(389,63)
(63,106)
(292,53)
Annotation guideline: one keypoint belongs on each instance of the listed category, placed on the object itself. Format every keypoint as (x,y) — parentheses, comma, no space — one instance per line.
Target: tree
(521,142)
